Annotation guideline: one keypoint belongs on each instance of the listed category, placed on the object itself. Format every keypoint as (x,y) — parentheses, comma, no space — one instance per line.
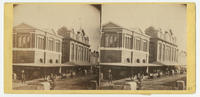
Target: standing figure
(14,76)
(139,83)
(85,72)
(109,76)
(52,81)
(23,77)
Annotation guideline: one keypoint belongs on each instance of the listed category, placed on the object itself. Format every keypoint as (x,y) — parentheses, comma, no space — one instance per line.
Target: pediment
(111,24)
(23,26)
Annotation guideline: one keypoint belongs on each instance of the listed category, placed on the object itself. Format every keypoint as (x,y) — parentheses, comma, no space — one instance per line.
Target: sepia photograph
(143,46)
(55,46)
(105,46)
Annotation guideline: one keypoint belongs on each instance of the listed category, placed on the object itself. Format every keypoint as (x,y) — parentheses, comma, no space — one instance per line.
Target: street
(82,83)
(76,83)
(163,83)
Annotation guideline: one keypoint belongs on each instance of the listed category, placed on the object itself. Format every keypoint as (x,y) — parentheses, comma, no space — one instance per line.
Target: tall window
(72,51)
(145,45)
(111,39)
(81,53)
(138,44)
(51,44)
(86,54)
(163,52)
(40,42)
(170,54)
(128,42)
(23,41)
(20,42)
(58,46)
(160,51)
(76,52)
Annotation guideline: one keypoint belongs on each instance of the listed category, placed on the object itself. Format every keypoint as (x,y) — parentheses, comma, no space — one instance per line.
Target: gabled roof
(24,26)
(137,29)
(29,27)
(111,24)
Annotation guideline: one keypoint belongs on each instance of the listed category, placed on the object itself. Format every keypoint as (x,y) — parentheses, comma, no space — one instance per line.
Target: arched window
(57,61)
(50,61)
(28,41)
(24,41)
(41,60)
(138,60)
(144,61)
(20,41)
(128,60)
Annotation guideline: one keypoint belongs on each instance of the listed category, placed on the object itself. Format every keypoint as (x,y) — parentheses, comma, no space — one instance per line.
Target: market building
(163,48)
(75,49)
(123,50)
(36,51)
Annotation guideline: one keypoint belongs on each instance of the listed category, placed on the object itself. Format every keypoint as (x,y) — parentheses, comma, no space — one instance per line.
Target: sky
(165,16)
(51,16)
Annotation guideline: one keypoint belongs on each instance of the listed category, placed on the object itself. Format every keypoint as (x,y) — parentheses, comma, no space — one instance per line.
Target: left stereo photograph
(55,46)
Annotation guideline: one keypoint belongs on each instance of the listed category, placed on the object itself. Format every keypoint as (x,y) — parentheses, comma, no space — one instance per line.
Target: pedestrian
(52,81)
(71,74)
(132,76)
(139,82)
(101,76)
(23,77)
(110,76)
(85,72)
(14,76)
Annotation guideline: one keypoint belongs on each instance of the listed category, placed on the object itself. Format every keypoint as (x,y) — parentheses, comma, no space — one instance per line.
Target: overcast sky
(55,16)
(166,16)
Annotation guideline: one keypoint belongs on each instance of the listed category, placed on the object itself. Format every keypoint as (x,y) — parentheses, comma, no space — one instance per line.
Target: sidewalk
(16,84)
(148,82)
(75,83)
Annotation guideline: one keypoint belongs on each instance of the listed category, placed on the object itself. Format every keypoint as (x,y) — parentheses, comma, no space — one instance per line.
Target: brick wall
(23,56)
(110,56)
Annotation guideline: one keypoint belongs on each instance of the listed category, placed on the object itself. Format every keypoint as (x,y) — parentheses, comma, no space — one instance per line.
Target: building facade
(121,46)
(75,47)
(123,50)
(163,47)
(33,47)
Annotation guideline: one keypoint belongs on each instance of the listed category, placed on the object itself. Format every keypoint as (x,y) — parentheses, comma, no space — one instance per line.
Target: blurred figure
(139,82)
(85,72)
(109,76)
(23,77)
(52,81)
(14,76)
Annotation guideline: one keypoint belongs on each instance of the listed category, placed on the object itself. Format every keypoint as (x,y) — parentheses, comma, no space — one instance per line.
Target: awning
(165,64)
(50,65)
(129,65)
(37,65)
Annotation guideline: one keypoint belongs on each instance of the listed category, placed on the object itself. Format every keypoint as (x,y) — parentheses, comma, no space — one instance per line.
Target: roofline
(131,31)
